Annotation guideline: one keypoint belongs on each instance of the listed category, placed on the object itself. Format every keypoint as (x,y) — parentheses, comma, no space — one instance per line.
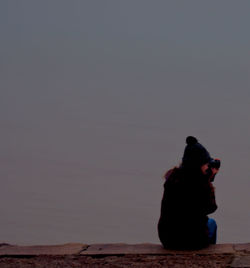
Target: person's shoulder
(172,175)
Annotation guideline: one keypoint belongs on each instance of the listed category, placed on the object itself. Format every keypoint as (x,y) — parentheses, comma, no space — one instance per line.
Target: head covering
(195,155)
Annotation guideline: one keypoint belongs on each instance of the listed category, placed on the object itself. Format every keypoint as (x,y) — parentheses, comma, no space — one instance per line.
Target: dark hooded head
(195,155)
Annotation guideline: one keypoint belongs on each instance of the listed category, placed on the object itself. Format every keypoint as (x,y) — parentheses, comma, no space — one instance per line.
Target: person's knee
(212,231)
(212,224)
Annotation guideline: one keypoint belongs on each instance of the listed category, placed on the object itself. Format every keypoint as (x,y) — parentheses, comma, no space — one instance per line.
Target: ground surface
(122,255)
(152,261)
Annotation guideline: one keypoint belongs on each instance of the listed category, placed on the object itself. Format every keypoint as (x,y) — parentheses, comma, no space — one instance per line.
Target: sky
(108,91)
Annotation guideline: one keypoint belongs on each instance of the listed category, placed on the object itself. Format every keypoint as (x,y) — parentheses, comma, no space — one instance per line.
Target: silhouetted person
(187,200)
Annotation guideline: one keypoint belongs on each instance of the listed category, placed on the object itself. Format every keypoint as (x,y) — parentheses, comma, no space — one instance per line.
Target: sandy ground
(152,261)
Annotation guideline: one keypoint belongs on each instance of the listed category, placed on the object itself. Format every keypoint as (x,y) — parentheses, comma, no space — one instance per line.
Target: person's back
(187,200)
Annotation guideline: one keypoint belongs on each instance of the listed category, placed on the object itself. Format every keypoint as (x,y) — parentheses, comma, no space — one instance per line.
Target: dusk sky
(96,100)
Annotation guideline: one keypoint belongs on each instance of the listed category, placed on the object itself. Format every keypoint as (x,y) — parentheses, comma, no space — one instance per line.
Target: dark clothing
(187,200)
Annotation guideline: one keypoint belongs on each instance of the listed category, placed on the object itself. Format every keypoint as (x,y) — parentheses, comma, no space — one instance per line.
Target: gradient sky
(108,91)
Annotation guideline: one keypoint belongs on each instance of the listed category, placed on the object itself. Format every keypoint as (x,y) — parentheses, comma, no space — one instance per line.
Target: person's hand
(214,172)
(209,171)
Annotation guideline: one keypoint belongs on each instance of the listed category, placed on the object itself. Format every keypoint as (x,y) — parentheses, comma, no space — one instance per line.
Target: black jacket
(187,200)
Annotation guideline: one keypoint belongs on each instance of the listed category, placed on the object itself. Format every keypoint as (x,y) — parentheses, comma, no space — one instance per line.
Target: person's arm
(201,200)
(211,203)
